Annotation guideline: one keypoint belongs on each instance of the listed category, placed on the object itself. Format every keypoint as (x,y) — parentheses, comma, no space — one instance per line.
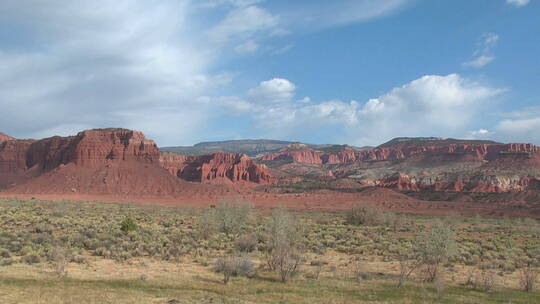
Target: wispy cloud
(518,3)
(483,54)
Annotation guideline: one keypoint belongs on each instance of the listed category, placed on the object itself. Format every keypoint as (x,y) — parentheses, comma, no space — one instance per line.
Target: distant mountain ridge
(251,147)
(433,141)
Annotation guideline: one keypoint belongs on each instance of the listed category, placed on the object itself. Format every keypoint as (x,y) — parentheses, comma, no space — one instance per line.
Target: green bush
(128,225)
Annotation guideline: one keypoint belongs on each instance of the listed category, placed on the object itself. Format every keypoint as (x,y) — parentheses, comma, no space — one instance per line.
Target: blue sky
(351,71)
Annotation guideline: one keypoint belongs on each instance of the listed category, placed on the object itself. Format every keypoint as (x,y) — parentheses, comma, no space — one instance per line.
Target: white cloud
(305,100)
(247,47)
(527,112)
(101,64)
(236,3)
(431,105)
(479,61)
(520,130)
(482,56)
(283,50)
(479,134)
(518,3)
(313,15)
(272,91)
(243,22)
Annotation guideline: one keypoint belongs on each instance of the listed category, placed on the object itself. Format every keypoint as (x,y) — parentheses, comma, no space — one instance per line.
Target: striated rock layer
(217,168)
(465,151)
(413,165)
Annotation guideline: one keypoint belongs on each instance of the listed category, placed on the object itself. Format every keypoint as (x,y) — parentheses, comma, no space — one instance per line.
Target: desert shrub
(228,217)
(6,261)
(394,221)
(246,243)
(528,266)
(359,272)
(361,215)
(31,258)
(528,275)
(79,259)
(59,260)
(440,284)
(283,244)
(409,261)
(485,278)
(233,265)
(128,225)
(4,253)
(435,247)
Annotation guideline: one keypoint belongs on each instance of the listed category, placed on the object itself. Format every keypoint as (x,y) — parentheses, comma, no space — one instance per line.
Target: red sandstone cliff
(470,166)
(101,161)
(115,161)
(465,151)
(4,137)
(217,168)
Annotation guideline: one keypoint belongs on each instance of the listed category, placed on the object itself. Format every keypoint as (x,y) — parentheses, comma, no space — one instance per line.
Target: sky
(357,72)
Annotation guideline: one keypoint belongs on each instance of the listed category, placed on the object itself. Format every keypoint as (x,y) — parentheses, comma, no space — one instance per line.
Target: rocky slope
(412,164)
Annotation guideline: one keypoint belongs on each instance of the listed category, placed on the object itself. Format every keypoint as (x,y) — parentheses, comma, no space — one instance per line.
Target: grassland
(80,252)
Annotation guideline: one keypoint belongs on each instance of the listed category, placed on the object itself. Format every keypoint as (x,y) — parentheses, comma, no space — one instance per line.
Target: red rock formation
(469,152)
(306,156)
(476,151)
(95,146)
(4,137)
(95,159)
(217,168)
(13,161)
(398,181)
(492,161)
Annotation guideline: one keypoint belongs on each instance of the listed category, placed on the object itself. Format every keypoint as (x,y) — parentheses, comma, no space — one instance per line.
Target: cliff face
(469,152)
(108,160)
(4,137)
(411,166)
(94,146)
(217,168)
(21,160)
(456,183)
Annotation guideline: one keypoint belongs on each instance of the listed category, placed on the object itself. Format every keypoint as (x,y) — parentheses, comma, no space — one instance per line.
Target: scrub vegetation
(97,252)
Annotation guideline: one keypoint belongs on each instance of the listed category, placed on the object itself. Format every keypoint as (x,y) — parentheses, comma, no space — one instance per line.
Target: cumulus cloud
(518,3)
(430,105)
(480,134)
(482,56)
(272,91)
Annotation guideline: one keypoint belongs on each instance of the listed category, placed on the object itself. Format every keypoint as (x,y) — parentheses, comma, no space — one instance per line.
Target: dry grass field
(95,252)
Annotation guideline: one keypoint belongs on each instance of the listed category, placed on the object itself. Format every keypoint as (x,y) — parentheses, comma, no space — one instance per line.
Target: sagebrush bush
(128,225)
(362,215)
(233,265)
